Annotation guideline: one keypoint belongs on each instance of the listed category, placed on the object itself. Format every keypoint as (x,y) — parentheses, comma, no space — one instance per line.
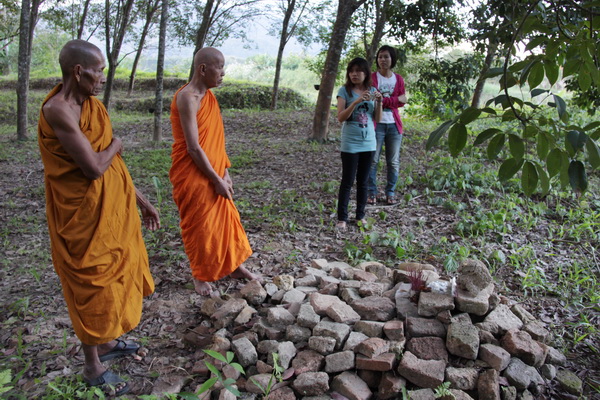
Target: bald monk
(214,239)
(94,225)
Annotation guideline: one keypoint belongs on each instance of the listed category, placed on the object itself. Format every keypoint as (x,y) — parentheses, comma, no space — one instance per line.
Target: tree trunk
(380,21)
(202,31)
(282,42)
(86,5)
(321,119)
(23,69)
(112,55)
(487,63)
(160,66)
(147,24)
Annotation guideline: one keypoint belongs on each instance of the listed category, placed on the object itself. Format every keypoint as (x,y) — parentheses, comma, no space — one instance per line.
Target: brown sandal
(390,200)
(372,200)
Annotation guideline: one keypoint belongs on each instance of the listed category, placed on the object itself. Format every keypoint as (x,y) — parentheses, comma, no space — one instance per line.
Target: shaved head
(207,55)
(77,52)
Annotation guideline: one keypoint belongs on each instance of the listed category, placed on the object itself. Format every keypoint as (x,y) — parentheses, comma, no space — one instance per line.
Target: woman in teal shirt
(359,107)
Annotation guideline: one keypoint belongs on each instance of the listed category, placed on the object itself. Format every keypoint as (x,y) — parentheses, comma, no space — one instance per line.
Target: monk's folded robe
(213,236)
(95,233)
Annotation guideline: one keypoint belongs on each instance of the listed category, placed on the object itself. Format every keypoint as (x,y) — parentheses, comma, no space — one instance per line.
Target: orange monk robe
(95,233)
(213,236)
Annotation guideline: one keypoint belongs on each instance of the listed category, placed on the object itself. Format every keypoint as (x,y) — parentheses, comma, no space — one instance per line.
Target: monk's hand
(223,188)
(118,143)
(150,217)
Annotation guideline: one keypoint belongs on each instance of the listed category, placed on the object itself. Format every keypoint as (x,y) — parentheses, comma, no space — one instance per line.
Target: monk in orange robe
(95,229)
(213,236)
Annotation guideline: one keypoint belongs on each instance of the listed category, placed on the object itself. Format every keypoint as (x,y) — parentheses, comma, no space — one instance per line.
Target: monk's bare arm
(188,105)
(150,216)
(65,122)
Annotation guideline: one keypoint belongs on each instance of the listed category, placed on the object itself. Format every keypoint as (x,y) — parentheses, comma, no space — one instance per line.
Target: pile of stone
(372,332)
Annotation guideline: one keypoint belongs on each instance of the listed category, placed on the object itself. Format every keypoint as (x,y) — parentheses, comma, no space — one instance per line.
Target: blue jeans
(386,134)
(354,165)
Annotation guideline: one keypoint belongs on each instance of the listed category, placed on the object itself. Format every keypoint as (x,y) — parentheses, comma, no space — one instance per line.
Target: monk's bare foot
(243,273)
(202,288)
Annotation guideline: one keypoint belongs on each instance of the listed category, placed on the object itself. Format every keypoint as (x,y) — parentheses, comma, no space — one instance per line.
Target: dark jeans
(354,165)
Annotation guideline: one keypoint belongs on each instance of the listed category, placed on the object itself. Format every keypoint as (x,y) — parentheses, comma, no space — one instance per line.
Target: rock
(225,315)
(211,305)
(428,348)
(555,357)
(522,313)
(369,328)
(256,383)
(350,295)
(307,361)
(297,334)
(225,394)
(423,373)
(244,351)
(412,266)
(475,303)
(394,330)
(548,371)
(279,317)
(351,386)
(367,289)
(495,356)
(487,385)
(520,344)
(364,276)
(521,375)
(473,276)
(244,316)
(254,293)
(460,395)
(286,351)
(501,320)
(569,382)
(322,302)
(420,327)
(537,331)
(372,347)
(462,378)
(307,280)
(311,383)
(354,339)
(270,288)
(390,386)
(283,393)
(284,282)
(371,378)
(508,393)
(307,317)
(383,362)
(170,384)
(381,271)
(322,344)
(431,303)
(339,362)
(320,263)
(375,308)
(421,394)
(332,329)
(463,340)
(293,296)
(343,313)
(404,307)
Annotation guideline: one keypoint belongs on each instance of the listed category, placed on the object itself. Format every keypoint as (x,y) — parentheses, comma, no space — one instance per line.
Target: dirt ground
(286,190)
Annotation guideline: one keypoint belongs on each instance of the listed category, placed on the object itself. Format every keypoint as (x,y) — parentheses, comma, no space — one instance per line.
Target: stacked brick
(363,333)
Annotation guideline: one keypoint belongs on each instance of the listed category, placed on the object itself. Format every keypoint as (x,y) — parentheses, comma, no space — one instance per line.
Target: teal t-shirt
(358,131)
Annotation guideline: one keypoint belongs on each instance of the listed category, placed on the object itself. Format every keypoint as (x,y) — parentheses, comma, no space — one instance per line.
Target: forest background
(501,146)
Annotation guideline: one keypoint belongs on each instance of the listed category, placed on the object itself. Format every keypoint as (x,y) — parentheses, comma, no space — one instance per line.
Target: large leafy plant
(548,148)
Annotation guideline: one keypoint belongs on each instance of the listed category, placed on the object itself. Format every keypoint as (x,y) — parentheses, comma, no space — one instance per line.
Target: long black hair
(363,66)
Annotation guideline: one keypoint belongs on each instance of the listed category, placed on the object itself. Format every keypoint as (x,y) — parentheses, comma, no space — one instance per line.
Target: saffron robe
(213,236)
(95,233)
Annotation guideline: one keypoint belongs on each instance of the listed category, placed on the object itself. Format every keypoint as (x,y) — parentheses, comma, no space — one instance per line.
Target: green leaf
(489,110)
(535,42)
(593,153)
(228,382)
(509,168)
(564,169)
(238,368)
(561,106)
(229,355)
(485,135)
(591,125)
(552,70)
(537,91)
(577,176)
(542,147)
(517,146)
(495,146)
(530,131)
(571,67)
(216,355)
(575,141)
(212,369)
(457,138)
(584,79)
(234,391)
(529,178)
(436,135)
(544,180)
(493,72)
(206,385)
(470,114)
(536,76)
